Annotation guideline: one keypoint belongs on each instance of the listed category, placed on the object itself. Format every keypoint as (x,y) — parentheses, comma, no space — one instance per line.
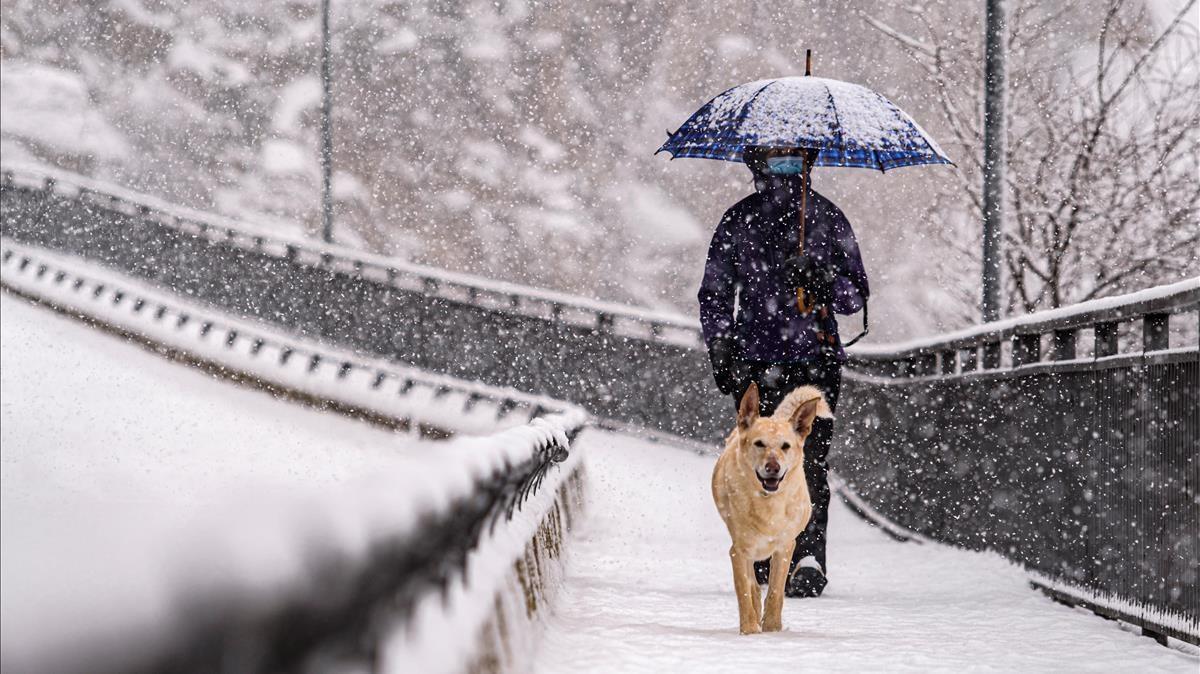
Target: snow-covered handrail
(538,302)
(395,545)
(1165,298)
(594,354)
(981,347)
(437,283)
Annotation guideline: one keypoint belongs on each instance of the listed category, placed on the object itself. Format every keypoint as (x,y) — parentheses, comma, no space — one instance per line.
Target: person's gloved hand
(801,271)
(726,366)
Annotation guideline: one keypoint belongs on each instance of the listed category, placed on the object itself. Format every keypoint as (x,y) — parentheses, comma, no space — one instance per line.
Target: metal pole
(326,130)
(994,108)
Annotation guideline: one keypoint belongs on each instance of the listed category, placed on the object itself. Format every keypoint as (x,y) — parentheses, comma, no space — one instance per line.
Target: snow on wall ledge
(382,391)
(403,569)
(398,573)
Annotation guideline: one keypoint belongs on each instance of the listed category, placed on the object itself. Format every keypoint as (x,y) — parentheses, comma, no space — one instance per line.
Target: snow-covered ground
(649,589)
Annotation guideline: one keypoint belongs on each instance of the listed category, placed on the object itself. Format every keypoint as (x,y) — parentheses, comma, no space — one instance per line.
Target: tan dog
(762,494)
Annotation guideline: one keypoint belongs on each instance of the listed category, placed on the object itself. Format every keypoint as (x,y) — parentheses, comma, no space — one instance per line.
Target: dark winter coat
(745,300)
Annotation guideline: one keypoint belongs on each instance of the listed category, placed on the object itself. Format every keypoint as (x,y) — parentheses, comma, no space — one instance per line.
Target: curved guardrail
(354,609)
(1077,458)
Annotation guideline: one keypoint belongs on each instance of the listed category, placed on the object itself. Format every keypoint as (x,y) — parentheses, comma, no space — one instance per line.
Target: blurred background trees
(1103,146)
(514,139)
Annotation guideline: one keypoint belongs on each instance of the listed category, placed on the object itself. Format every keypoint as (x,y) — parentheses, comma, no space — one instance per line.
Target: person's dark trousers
(775,381)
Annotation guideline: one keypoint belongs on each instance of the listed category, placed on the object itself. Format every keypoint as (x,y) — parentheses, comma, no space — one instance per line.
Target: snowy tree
(1102,146)
(515,140)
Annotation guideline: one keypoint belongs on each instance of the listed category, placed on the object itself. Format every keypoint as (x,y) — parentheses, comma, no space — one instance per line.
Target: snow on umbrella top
(850,125)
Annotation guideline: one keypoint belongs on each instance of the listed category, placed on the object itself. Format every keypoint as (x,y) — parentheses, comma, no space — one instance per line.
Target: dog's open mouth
(770,484)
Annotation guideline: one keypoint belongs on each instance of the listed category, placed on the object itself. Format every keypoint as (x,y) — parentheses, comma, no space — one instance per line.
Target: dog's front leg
(773,612)
(744,586)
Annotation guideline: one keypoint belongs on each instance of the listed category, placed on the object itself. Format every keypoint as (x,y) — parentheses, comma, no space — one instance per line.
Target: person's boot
(808,580)
(762,571)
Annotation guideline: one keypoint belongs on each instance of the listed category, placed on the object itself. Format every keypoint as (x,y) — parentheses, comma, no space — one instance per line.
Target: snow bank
(129,481)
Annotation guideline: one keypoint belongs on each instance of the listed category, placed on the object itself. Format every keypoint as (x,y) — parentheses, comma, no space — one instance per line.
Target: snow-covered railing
(1082,466)
(485,293)
(1046,336)
(405,569)
(255,354)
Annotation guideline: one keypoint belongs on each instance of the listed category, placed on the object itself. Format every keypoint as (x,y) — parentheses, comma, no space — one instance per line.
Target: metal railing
(253,354)
(1082,467)
(361,605)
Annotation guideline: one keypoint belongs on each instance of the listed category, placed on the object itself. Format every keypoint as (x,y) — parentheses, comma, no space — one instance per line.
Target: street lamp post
(994,164)
(326,130)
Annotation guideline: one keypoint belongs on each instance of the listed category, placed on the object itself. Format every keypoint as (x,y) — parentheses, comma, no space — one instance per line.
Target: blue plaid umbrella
(849,124)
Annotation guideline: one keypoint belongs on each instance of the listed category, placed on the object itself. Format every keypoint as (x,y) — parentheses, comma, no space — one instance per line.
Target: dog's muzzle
(770,483)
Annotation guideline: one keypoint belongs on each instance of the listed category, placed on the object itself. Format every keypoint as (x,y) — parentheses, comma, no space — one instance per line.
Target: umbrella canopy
(849,124)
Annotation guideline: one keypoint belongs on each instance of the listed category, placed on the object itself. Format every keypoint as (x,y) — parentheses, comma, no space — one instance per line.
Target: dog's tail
(798,397)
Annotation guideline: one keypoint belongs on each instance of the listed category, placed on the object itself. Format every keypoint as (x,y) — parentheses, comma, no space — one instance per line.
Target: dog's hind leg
(749,611)
(773,612)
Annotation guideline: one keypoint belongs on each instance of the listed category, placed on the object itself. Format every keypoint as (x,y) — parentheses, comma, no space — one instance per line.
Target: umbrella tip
(807,62)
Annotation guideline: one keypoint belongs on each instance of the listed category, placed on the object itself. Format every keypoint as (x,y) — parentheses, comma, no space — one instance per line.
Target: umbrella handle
(804,302)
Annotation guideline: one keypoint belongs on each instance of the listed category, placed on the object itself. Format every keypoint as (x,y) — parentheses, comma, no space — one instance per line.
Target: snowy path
(649,588)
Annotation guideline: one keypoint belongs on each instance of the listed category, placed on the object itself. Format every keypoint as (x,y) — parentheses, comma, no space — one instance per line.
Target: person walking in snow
(755,330)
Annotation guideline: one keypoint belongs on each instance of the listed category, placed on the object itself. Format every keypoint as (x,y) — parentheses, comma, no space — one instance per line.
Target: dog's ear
(806,412)
(748,409)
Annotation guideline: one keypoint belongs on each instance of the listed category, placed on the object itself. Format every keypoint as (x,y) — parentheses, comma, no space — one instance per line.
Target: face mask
(785,166)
